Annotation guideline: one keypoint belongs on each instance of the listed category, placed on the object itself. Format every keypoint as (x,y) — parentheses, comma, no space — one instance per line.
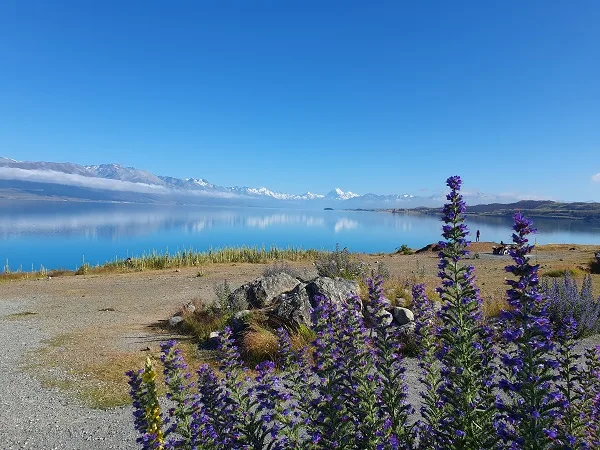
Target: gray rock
(338,290)
(264,290)
(175,321)
(239,322)
(402,316)
(388,318)
(293,308)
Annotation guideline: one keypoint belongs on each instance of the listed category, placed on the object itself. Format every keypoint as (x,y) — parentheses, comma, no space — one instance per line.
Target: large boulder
(261,292)
(338,290)
(293,308)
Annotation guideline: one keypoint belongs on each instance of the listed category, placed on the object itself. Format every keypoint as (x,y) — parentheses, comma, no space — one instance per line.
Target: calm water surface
(63,234)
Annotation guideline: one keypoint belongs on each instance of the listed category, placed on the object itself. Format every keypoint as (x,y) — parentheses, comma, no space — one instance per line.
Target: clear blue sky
(384,97)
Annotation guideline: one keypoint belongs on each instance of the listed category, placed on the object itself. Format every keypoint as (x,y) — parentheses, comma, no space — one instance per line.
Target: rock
(402,316)
(338,290)
(175,321)
(189,308)
(212,343)
(261,292)
(177,270)
(388,318)
(239,322)
(145,349)
(293,308)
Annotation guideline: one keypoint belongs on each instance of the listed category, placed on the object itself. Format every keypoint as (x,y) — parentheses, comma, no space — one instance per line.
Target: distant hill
(587,211)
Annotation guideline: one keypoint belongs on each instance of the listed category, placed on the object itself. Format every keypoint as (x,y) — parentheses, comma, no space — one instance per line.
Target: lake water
(63,234)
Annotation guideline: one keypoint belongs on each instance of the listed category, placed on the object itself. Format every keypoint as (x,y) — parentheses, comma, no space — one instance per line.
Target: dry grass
(259,344)
(99,382)
(555,273)
(494,304)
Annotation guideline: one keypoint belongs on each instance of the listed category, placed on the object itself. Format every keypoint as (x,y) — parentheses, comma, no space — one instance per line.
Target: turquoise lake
(64,234)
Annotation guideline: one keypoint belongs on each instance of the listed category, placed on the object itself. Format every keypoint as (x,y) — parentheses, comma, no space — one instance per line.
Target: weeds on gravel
(348,390)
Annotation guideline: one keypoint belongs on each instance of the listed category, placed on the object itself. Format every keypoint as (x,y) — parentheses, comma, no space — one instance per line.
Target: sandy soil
(79,325)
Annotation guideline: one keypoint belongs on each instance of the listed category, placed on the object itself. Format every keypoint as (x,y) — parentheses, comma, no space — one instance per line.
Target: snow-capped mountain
(338,194)
(114,182)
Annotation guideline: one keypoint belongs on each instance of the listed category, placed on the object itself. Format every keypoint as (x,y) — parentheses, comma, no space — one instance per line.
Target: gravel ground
(32,417)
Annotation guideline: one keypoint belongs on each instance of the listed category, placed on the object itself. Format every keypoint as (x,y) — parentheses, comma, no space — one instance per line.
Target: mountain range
(116,183)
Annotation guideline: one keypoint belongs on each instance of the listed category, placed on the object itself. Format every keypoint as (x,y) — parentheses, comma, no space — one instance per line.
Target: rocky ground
(68,340)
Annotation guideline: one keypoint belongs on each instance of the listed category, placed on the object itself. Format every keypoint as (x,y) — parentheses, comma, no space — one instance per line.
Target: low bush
(349,391)
(340,263)
(404,250)
(281,267)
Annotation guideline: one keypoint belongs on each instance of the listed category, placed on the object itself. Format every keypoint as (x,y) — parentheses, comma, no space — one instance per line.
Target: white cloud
(68,179)
(596,177)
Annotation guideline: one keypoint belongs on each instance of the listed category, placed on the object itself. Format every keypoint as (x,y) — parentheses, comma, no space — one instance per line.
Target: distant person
(477,236)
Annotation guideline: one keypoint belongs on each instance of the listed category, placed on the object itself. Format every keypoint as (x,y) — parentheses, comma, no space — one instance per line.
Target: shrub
(281,267)
(565,300)
(84,269)
(404,250)
(349,392)
(340,263)
(203,321)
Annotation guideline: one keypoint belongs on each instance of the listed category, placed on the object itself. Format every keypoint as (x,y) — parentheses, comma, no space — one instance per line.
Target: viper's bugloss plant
(465,353)
(565,300)
(528,368)
(348,390)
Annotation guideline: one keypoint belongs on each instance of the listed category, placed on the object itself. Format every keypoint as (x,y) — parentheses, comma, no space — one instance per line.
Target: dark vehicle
(502,249)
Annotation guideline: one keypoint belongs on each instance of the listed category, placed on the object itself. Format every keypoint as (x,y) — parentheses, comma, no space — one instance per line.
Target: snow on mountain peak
(338,194)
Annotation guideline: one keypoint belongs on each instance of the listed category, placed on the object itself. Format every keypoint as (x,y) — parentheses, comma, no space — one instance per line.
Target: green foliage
(404,250)
(84,269)
(202,322)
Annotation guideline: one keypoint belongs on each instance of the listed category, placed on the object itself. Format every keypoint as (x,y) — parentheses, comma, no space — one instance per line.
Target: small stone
(177,270)
(402,316)
(145,349)
(190,307)
(175,320)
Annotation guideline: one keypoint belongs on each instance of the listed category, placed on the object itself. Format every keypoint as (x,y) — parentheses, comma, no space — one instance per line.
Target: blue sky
(385,97)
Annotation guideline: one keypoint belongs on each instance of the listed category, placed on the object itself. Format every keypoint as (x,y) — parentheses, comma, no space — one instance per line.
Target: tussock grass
(494,304)
(259,344)
(555,273)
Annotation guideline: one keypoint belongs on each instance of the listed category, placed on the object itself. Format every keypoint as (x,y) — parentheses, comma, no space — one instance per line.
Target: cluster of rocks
(284,300)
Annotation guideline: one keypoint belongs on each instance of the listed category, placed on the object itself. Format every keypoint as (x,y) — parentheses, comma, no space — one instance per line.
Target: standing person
(477,236)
